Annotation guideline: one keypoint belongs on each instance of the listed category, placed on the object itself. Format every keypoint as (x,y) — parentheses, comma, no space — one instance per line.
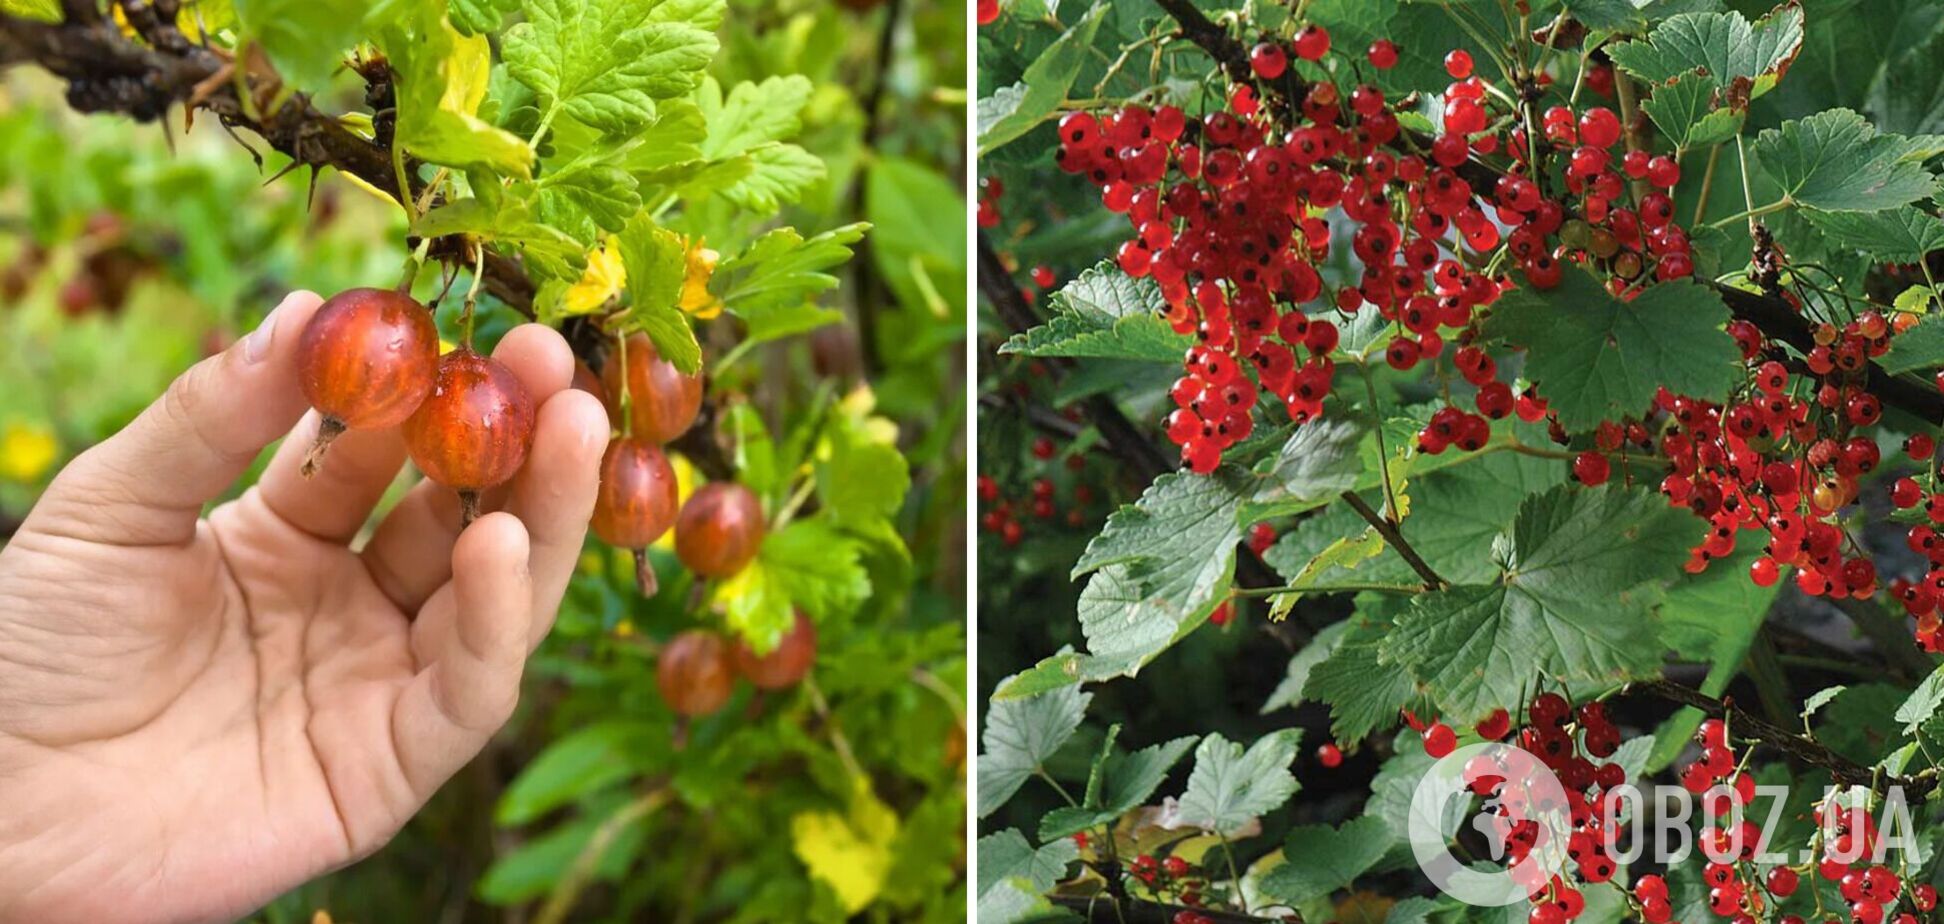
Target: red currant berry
(1329,755)
(1439,739)
(1382,54)
(1268,61)
(1458,63)
(1591,468)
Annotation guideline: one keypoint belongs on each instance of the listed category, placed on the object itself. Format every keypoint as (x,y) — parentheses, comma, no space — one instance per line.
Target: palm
(203,714)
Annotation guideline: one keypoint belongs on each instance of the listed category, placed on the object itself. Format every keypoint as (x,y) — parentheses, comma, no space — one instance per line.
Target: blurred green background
(128,251)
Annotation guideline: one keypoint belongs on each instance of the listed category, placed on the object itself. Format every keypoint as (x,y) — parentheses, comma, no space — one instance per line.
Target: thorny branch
(107,71)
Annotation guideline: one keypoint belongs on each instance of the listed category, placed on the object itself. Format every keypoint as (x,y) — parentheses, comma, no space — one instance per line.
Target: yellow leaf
(851,851)
(700,266)
(43,10)
(603,280)
(26,451)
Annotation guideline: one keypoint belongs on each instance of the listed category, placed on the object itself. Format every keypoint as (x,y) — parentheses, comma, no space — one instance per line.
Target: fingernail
(257,345)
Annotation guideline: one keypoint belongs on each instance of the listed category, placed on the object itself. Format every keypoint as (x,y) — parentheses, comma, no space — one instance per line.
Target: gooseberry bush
(1561,373)
(750,708)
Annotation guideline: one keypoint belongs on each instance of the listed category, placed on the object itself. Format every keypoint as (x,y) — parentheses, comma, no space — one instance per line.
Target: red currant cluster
(1848,836)
(990,189)
(1573,745)
(1781,457)
(1172,877)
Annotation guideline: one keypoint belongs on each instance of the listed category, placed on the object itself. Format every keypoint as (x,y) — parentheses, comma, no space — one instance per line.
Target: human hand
(199,714)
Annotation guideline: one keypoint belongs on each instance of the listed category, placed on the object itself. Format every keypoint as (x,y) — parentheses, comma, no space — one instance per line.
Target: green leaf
(1690,112)
(1105,314)
(1574,602)
(549,251)
(779,174)
(1320,461)
(753,114)
(1319,859)
(1014,878)
(807,565)
(1920,347)
(1020,735)
(1837,162)
(1363,694)
(1899,235)
(606,62)
(603,192)
(1118,784)
(1597,358)
(921,258)
(655,260)
(1923,702)
(1230,787)
(1820,699)
(1723,46)
(582,762)
(473,17)
(440,79)
(1632,15)
(305,39)
(535,867)
(782,269)
(1710,617)
(1043,87)
(861,478)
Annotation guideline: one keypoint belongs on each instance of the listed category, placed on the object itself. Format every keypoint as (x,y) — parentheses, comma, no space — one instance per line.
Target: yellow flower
(603,280)
(26,451)
(696,299)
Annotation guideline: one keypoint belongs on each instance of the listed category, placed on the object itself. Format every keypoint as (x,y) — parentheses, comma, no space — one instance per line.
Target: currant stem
(1751,214)
(1395,539)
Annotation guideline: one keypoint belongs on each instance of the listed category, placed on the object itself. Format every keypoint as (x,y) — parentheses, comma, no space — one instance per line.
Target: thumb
(147,484)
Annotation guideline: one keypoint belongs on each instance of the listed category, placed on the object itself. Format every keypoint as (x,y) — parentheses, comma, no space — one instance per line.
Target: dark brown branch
(1101,909)
(1750,727)
(1396,541)
(109,72)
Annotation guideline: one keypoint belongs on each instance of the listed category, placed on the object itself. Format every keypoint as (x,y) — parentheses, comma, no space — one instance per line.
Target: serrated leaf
(1318,859)
(1020,734)
(859,479)
(1690,112)
(1104,314)
(473,17)
(1363,694)
(1014,877)
(1574,603)
(778,175)
(440,79)
(1899,235)
(1321,460)
(1118,784)
(1230,787)
(1819,699)
(1597,358)
(1182,532)
(807,565)
(1043,86)
(1725,47)
(782,269)
(1919,347)
(1836,161)
(752,115)
(603,192)
(655,260)
(305,39)
(1923,703)
(1914,300)
(1632,15)
(606,62)
(1344,553)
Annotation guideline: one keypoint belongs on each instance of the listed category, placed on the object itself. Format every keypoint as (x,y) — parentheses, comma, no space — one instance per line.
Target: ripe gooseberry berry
(662,399)
(366,360)
(693,673)
(719,529)
(786,663)
(636,503)
(474,431)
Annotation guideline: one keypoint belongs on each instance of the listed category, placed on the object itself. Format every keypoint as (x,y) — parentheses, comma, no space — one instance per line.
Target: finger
(473,649)
(554,495)
(148,483)
(410,553)
(334,503)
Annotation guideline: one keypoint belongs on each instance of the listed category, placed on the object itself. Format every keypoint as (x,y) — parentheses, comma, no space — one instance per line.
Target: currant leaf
(1319,859)
(606,62)
(1574,602)
(1724,47)
(1289,693)
(1836,161)
(1691,112)
(782,270)
(440,79)
(1042,88)
(1021,733)
(656,265)
(1920,347)
(1597,358)
(1014,877)
(1231,787)
(1900,235)
(1363,694)
(1104,314)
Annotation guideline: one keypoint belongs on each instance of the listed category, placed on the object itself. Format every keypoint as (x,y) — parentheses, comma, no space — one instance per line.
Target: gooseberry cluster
(696,670)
